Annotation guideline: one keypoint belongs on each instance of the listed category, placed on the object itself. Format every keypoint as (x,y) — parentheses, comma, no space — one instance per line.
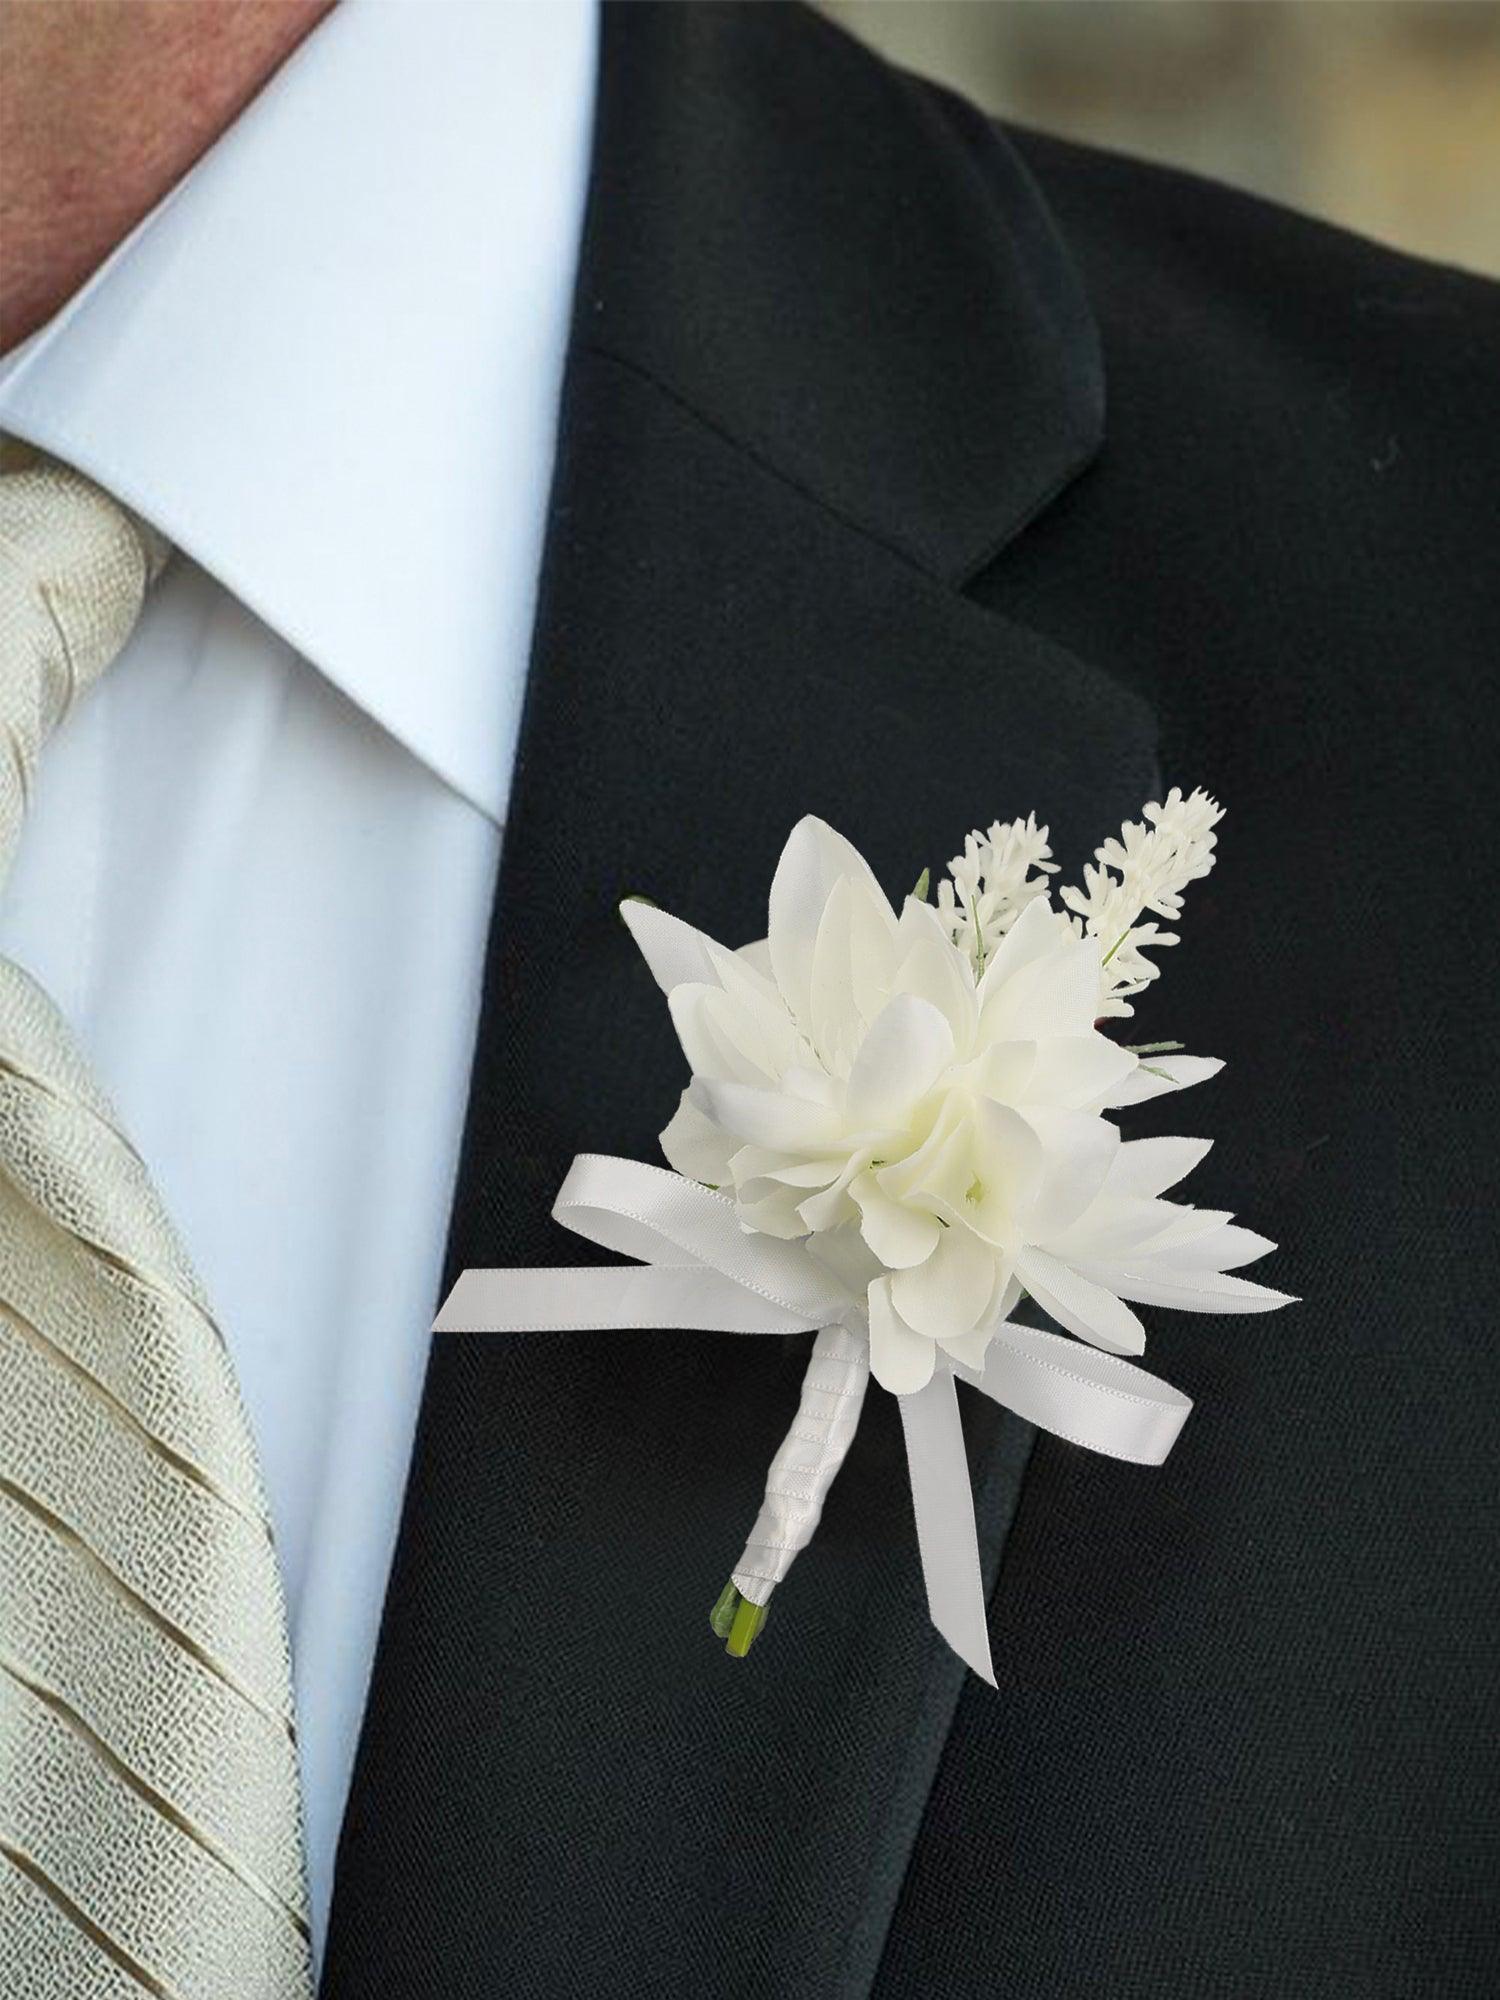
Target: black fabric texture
(839,525)
(1244,1742)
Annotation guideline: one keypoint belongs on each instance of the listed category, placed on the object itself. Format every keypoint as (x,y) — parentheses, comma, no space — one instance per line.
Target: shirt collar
(327,365)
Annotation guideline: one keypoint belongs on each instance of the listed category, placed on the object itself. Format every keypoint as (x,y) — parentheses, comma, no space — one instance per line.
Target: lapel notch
(846,269)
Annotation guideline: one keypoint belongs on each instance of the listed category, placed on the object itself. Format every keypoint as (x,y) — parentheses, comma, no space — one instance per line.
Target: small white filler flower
(923,1097)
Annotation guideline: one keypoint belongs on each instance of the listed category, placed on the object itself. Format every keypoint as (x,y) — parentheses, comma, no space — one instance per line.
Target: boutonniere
(899,1132)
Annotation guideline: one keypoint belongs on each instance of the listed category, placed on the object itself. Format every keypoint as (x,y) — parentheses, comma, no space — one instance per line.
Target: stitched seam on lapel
(758,458)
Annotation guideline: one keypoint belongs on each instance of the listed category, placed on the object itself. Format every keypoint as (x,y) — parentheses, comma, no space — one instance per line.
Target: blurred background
(1381,115)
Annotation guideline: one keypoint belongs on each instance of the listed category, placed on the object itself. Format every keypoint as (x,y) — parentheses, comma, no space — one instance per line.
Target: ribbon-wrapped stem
(804,1468)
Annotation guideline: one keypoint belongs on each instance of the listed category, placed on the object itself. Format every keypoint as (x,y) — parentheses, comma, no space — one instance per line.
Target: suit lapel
(827,356)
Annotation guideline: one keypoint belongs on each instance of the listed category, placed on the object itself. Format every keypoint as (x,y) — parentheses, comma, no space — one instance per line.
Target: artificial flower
(922,1094)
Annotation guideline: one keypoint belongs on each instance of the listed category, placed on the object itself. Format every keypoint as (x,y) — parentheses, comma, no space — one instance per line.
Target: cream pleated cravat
(150,1824)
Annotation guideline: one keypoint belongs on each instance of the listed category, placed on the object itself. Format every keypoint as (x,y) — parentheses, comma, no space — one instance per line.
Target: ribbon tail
(600,1298)
(807,1463)
(944,1505)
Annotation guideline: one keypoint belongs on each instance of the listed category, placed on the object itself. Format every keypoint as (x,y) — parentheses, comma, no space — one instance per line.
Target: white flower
(1143,870)
(937,1132)
(991,883)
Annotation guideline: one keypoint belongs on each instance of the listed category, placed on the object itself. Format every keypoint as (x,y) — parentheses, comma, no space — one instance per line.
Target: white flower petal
(1007,1163)
(872,947)
(1077,1071)
(900,1360)
(767,1117)
(760,1031)
(738,974)
(1077,1150)
(1183,1227)
(946,1296)
(707,1026)
(1116,1228)
(833,1207)
(1076,1302)
(968,1349)
(916,1169)
(834,1026)
(694,1146)
(1055,995)
(900,1060)
(946,1179)
(846,1253)
(774,1213)
(813,860)
(1223,1249)
(1007,1298)
(1035,933)
(1189,1291)
(930,965)
(760,1163)
(766,1031)
(920,923)
(1054,987)
(1150,1166)
(673,950)
(813,1086)
(899,1236)
(1004,1071)
(1156,1075)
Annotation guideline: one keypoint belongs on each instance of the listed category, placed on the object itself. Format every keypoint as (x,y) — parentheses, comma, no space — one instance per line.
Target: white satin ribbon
(698,1269)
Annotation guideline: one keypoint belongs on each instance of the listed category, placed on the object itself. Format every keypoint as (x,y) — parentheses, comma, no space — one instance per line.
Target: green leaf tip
(722,1616)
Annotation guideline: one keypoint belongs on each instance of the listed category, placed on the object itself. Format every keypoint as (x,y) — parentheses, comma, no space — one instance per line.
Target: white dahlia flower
(927,1106)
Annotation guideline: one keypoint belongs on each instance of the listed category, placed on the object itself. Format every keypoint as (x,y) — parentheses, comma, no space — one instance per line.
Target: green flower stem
(736,1620)
(748,1619)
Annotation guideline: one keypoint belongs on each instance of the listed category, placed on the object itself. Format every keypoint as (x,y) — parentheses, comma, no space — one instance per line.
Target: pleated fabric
(150,1816)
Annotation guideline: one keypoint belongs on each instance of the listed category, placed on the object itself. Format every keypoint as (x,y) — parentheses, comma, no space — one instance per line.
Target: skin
(104,105)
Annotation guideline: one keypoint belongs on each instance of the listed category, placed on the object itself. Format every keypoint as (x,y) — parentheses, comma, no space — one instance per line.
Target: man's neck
(103,107)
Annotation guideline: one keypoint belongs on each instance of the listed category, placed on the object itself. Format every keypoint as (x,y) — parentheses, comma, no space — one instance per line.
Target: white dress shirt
(258,869)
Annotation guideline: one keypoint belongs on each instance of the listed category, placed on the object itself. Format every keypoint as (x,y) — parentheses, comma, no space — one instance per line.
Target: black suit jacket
(840,525)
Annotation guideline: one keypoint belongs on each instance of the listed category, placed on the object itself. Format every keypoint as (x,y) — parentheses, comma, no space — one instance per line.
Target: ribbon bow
(699,1269)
